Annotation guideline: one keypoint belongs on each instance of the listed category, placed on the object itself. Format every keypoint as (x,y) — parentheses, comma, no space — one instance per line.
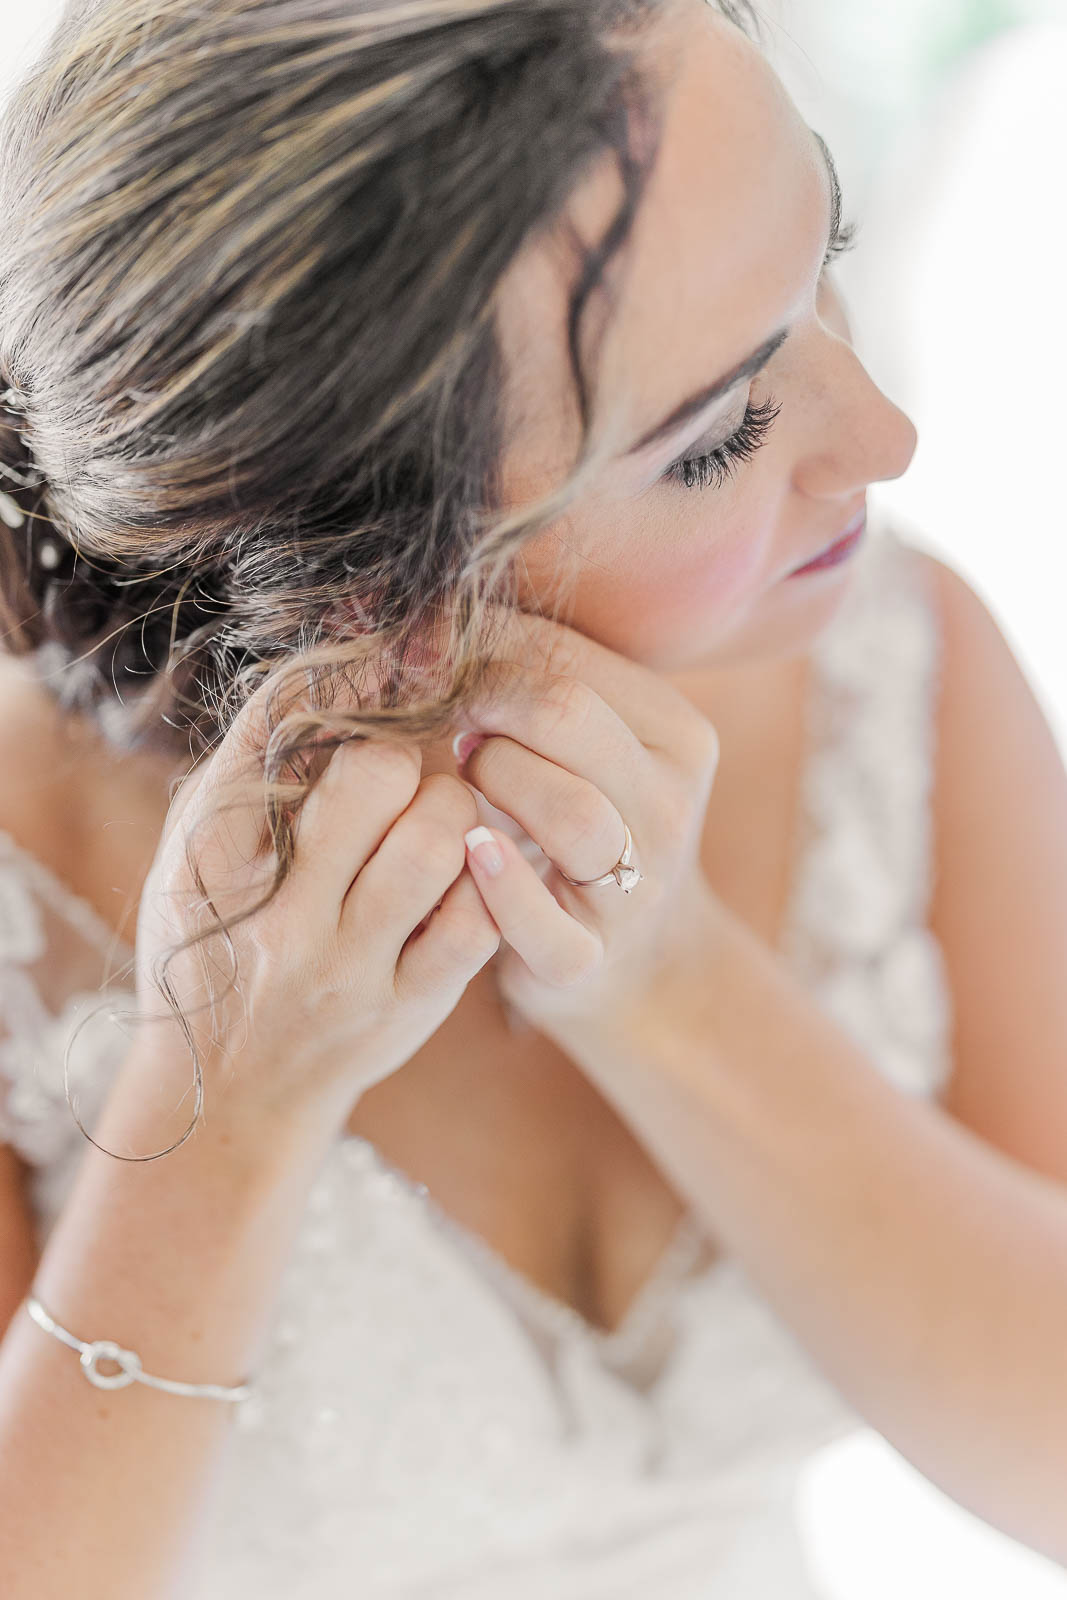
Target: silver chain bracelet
(128,1360)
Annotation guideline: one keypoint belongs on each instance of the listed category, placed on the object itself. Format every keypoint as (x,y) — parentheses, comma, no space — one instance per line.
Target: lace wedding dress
(427,1422)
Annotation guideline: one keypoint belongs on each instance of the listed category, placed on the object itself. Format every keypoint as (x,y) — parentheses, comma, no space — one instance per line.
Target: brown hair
(247,272)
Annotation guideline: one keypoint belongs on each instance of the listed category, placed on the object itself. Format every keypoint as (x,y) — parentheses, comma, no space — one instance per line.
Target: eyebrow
(759,358)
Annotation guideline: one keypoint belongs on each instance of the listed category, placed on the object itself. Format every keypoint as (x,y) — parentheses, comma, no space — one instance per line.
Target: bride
(589,1118)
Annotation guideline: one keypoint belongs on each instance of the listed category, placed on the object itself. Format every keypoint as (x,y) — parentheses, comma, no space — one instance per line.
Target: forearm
(924,1271)
(178,1259)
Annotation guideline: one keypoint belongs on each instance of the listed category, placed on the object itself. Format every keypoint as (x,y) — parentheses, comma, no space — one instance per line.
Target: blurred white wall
(959,294)
(954,168)
(23,29)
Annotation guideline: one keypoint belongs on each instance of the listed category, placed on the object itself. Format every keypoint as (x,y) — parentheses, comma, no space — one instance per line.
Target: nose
(857,435)
(864,438)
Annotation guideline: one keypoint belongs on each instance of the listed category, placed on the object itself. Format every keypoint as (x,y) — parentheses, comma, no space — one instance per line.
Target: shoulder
(90,813)
(998,768)
(35,791)
(988,711)
(999,892)
(55,778)
(965,618)
(29,813)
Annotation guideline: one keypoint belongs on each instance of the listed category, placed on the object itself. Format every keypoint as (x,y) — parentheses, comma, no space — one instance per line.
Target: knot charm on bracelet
(129,1362)
(107,1350)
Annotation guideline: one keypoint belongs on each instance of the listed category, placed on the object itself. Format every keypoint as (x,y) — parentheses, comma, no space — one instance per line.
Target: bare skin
(563,1189)
(505,1132)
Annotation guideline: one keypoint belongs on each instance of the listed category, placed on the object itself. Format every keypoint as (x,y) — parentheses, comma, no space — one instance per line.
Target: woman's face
(727,250)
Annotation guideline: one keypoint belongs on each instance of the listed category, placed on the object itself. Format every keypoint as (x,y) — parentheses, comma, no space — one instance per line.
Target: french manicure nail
(465,741)
(485,850)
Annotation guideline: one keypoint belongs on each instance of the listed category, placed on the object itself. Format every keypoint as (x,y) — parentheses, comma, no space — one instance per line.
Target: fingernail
(485,850)
(464,742)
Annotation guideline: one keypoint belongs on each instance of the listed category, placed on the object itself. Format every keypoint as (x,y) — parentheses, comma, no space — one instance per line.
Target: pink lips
(840,550)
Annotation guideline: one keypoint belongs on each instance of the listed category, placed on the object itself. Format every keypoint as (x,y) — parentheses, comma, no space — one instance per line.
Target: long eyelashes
(843,241)
(711,471)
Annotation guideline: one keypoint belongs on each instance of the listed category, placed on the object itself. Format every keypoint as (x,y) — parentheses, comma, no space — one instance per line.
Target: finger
(579,829)
(416,863)
(594,771)
(366,786)
(564,720)
(661,717)
(557,948)
(232,775)
(459,938)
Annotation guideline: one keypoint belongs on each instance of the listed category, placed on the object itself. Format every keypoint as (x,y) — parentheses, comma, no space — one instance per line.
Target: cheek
(671,587)
(698,572)
(704,576)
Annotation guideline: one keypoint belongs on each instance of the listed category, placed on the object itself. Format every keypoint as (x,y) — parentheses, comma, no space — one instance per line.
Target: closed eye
(711,469)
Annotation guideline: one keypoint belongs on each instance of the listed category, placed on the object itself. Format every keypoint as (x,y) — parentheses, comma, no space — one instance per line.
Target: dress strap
(79,912)
(857,928)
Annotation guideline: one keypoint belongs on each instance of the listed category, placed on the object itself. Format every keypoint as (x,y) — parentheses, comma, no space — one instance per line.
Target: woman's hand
(576,740)
(361,954)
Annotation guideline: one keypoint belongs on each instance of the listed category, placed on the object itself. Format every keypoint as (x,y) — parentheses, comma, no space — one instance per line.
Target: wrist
(669,1018)
(154,1106)
(688,986)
